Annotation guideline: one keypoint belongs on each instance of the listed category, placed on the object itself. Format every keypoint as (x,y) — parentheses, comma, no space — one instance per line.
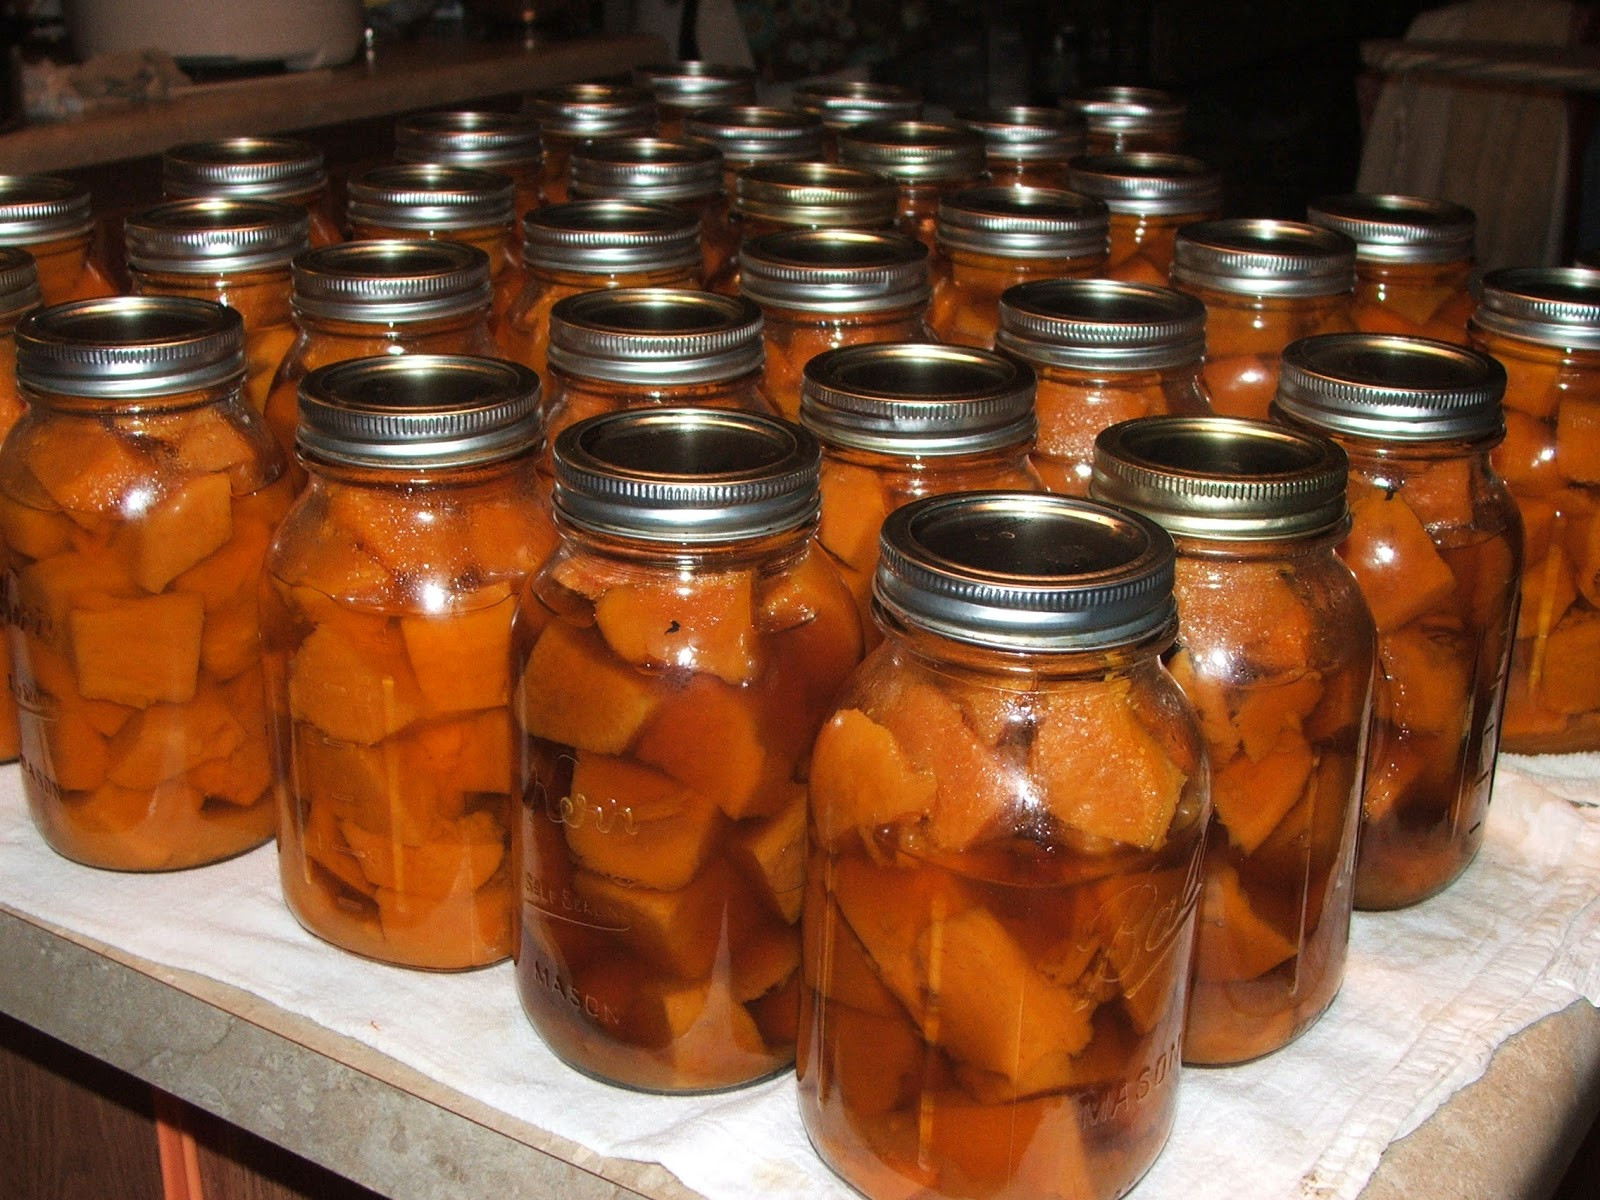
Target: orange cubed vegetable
(713,1036)
(705,736)
(1259,616)
(1533,387)
(465,928)
(1401,572)
(353,682)
(1250,796)
(1571,681)
(1263,714)
(636,825)
(137,652)
(679,931)
(774,852)
(84,467)
(462,659)
(1231,941)
(576,694)
(166,740)
(212,440)
(874,1061)
(460,859)
(376,786)
(836,963)
(1578,438)
(764,961)
(33,532)
(68,750)
(1526,459)
(861,779)
(1427,682)
(230,639)
(1393,767)
(470,752)
(1032,1148)
(242,778)
(182,530)
(973,792)
(707,625)
(48,591)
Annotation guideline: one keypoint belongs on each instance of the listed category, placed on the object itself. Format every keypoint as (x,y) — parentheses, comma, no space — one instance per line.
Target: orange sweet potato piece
(462,658)
(875,1062)
(49,590)
(376,787)
(576,694)
(232,571)
(1210,700)
(470,752)
(211,439)
(1032,1148)
(861,779)
(853,509)
(462,857)
(33,532)
(1263,714)
(1571,680)
(230,639)
(773,851)
(1401,572)
(69,750)
(764,960)
(242,778)
(1533,387)
(1257,615)
(703,625)
(1231,941)
(463,929)
(1100,770)
(1440,493)
(323,843)
(1393,766)
(636,825)
(1526,459)
(352,681)
(1139,928)
(705,736)
(973,791)
(836,964)
(181,530)
(1242,385)
(50,671)
(166,740)
(1578,438)
(681,931)
(137,652)
(85,467)
(1250,796)
(398,532)
(1427,682)
(714,1038)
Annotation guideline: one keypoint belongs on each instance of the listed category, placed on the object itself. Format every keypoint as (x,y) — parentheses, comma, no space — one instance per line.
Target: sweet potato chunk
(834,955)
(459,860)
(353,683)
(34,532)
(773,852)
(1401,572)
(1427,681)
(713,1036)
(138,652)
(181,530)
(972,794)
(460,929)
(461,659)
(1032,1148)
(575,694)
(1232,942)
(680,931)
(705,625)
(166,740)
(1571,681)
(1258,615)
(1252,795)
(637,825)
(685,727)
(889,911)
(860,778)
(85,467)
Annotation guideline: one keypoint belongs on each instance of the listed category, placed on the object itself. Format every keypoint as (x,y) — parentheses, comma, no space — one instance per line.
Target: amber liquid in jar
(1245,337)
(1432,300)
(68,271)
(1141,245)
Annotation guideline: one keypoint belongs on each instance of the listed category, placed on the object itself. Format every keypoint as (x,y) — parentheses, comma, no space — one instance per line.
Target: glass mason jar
(19,295)
(1276,650)
(139,492)
(254,168)
(386,629)
(1414,262)
(686,174)
(1264,283)
(1026,145)
(570,114)
(845,103)
(902,420)
(676,655)
(236,252)
(358,299)
(645,347)
(1151,196)
(586,245)
(1007,810)
(502,143)
(991,238)
(682,89)
(926,159)
(1104,352)
(1124,119)
(1543,325)
(819,289)
(750,134)
(772,197)
(442,203)
(52,220)
(1436,545)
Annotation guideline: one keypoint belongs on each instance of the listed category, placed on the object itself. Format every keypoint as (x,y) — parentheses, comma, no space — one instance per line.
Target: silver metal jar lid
(391,281)
(580,111)
(130,347)
(1398,229)
(430,196)
(419,410)
(1393,388)
(835,270)
(686,476)
(845,103)
(207,235)
(42,208)
(1101,325)
(1124,110)
(817,195)
(646,168)
(918,399)
(914,151)
(668,337)
(1023,222)
(246,168)
(1223,478)
(1028,571)
(1553,306)
(690,85)
(754,133)
(1148,182)
(609,236)
(1027,132)
(1258,256)
(486,140)
(19,282)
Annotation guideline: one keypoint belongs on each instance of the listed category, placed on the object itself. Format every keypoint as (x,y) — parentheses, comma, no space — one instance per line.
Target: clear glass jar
(926,159)
(1007,811)
(442,203)
(52,220)
(585,245)
(687,174)
(387,602)
(677,655)
(1264,283)
(991,238)
(682,89)
(819,289)
(19,295)
(749,134)
(1543,325)
(499,142)
(1151,196)
(570,114)
(358,299)
(845,103)
(1436,545)
(902,420)
(140,492)
(1276,650)
(1123,119)
(645,347)
(254,168)
(772,197)
(1103,352)
(1414,262)
(1027,145)
(236,252)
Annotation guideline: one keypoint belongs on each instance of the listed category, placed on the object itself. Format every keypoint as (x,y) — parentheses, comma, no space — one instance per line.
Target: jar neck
(904,313)
(996,460)
(772,551)
(1317,544)
(229,393)
(334,327)
(515,472)
(573,280)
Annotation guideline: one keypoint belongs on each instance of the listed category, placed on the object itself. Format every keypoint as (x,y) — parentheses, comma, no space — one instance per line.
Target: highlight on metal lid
(210,234)
(430,196)
(399,280)
(1023,222)
(592,110)
(692,84)
(656,336)
(1266,257)
(1027,132)
(752,133)
(664,170)
(835,270)
(1148,182)
(914,151)
(607,235)
(1401,229)
(848,102)
(816,194)
(19,282)
(42,208)
(469,138)
(253,168)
